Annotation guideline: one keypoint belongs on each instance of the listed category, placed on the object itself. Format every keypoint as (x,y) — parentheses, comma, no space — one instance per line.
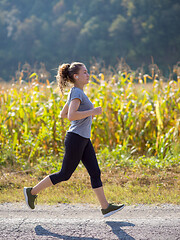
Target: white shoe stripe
(26,197)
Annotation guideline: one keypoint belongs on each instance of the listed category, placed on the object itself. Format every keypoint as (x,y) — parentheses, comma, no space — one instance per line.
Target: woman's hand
(97,111)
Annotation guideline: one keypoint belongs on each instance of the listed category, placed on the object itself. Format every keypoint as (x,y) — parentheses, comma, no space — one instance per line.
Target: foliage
(138,120)
(49,31)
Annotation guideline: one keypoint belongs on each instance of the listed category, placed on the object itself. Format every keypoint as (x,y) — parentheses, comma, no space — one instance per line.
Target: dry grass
(128,186)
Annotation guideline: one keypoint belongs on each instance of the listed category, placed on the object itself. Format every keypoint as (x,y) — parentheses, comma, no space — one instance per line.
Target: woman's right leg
(46,182)
(74,147)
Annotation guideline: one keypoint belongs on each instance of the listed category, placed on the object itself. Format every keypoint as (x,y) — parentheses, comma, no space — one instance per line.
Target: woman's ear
(76,76)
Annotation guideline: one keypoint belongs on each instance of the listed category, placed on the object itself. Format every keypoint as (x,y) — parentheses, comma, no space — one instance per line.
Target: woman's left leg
(90,162)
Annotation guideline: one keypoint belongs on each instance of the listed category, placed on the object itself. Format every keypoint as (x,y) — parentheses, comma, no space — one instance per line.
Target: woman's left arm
(64,111)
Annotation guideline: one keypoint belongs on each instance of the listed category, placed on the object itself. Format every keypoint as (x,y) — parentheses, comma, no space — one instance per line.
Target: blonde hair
(66,73)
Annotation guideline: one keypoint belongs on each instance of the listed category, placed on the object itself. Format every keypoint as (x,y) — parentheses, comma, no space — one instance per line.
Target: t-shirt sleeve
(76,93)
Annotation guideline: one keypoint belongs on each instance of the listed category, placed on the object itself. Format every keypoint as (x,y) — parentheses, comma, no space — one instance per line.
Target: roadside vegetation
(137,138)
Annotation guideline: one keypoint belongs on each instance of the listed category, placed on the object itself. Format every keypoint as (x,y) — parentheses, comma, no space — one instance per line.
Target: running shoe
(30,199)
(111,209)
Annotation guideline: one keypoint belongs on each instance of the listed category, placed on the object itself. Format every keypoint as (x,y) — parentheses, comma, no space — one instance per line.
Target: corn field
(138,119)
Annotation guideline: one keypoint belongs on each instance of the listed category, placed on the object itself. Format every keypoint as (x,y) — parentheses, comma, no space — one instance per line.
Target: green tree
(66,30)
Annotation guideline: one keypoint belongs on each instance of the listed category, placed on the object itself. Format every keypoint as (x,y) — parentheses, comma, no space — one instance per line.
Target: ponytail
(62,76)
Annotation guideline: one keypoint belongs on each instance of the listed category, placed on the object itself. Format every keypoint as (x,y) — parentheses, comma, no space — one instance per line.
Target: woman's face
(83,76)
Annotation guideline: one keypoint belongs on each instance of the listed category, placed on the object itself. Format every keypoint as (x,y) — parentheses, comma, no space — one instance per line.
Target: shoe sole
(111,213)
(26,197)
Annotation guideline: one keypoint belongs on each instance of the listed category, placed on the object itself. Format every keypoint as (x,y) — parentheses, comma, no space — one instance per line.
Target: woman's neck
(79,86)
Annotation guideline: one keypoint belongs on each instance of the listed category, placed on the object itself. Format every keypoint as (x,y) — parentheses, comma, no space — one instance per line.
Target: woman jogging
(78,147)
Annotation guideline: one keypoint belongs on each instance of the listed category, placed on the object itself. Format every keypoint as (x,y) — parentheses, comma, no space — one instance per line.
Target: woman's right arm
(64,111)
(74,114)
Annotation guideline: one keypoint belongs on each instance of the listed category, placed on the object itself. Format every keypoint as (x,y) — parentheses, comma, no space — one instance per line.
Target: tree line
(59,31)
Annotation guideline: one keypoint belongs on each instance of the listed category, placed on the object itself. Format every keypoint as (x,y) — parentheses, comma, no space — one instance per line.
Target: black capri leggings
(78,148)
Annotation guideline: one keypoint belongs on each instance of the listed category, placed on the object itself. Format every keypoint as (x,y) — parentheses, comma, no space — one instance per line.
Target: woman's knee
(60,177)
(96,179)
(96,173)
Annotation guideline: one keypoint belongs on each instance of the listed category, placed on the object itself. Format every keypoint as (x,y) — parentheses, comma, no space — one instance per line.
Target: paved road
(85,222)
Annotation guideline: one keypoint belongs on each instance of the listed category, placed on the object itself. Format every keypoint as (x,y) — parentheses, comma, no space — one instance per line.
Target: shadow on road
(43,232)
(116,229)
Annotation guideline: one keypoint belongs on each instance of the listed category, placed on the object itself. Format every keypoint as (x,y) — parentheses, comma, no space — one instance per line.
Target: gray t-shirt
(82,126)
